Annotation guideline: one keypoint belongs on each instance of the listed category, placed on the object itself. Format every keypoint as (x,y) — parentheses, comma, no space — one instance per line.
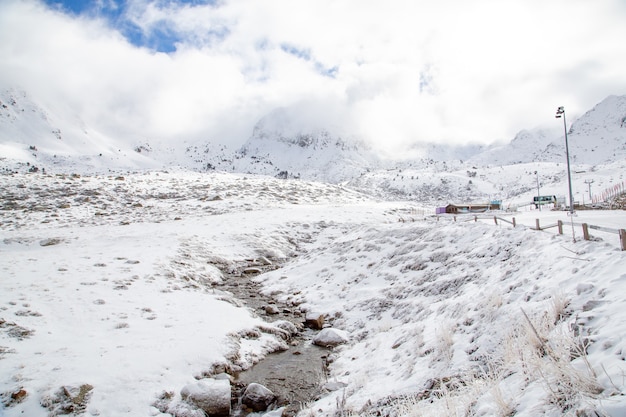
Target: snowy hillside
(281,146)
(32,136)
(599,136)
(515,185)
(120,294)
(526,146)
(289,143)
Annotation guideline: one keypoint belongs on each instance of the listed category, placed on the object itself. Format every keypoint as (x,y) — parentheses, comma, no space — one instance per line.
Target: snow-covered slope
(288,143)
(37,137)
(599,136)
(111,286)
(527,146)
(279,145)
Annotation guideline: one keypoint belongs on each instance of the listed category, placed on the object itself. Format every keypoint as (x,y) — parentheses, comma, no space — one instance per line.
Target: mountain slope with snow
(599,136)
(280,146)
(35,136)
(288,143)
(526,146)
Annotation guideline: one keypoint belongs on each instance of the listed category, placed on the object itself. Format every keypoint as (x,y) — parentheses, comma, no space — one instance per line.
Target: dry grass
(540,349)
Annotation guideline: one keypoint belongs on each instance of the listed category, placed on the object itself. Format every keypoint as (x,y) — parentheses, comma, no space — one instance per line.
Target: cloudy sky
(394,71)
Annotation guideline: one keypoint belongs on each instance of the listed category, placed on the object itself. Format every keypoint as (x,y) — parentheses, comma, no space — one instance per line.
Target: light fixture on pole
(538,195)
(560,112)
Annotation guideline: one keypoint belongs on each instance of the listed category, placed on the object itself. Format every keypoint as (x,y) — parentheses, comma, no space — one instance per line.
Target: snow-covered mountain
(287,144)
(599,136)
(280,147)
(527,146)
(35,136)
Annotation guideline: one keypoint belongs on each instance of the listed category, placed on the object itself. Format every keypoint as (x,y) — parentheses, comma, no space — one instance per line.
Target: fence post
(495,219)
(585,231)
(622,238)
(560,226)
(537,227)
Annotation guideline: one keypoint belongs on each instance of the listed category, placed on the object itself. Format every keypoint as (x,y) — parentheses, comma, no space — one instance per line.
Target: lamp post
(561,112)
(538,195)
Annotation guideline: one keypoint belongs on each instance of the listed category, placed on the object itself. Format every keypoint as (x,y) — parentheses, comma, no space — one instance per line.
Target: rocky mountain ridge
(286,144)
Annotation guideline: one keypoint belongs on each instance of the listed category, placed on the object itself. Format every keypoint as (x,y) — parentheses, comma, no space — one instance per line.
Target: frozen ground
(107,283)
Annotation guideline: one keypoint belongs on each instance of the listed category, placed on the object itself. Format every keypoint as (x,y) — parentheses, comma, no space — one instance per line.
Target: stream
(295,375)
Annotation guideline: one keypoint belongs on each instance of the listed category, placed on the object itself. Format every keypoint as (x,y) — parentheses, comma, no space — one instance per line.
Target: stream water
(294,375)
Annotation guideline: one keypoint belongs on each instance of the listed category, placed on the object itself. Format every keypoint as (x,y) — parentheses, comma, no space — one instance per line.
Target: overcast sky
(393,71)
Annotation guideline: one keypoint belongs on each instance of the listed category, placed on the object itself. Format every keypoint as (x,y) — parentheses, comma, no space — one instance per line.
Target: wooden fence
(559,225)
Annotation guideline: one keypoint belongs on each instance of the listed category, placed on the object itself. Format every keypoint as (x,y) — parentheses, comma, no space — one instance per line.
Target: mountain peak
(599,136)
(297,126)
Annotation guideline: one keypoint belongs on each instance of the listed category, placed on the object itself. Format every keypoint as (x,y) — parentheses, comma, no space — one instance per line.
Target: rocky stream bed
(296,375)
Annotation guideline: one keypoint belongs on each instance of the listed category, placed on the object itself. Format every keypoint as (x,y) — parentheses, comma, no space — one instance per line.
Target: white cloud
(396,72)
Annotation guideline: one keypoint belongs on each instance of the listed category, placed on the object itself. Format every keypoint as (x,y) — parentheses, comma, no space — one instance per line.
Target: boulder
(210,395)
(314,320)
(271,309)
(257,397)
(330,337)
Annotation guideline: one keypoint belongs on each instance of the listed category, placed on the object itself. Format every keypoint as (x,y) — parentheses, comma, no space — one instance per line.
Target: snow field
(122,300)
(443,318)
(437,315)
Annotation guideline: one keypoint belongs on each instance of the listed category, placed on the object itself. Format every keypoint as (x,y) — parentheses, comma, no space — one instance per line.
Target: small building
(470,208)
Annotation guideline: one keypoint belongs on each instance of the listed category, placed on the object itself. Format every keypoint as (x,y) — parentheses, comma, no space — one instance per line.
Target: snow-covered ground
(107,283)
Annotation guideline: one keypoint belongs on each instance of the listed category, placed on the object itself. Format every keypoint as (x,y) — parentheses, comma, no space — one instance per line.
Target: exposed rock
(210,395)
(18,396)
(258,397)
(330,337)
(50,241)
(271,309)
(314,320)
(11,398)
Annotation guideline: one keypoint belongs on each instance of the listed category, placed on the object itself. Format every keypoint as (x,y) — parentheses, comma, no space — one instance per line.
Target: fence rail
(559,225)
